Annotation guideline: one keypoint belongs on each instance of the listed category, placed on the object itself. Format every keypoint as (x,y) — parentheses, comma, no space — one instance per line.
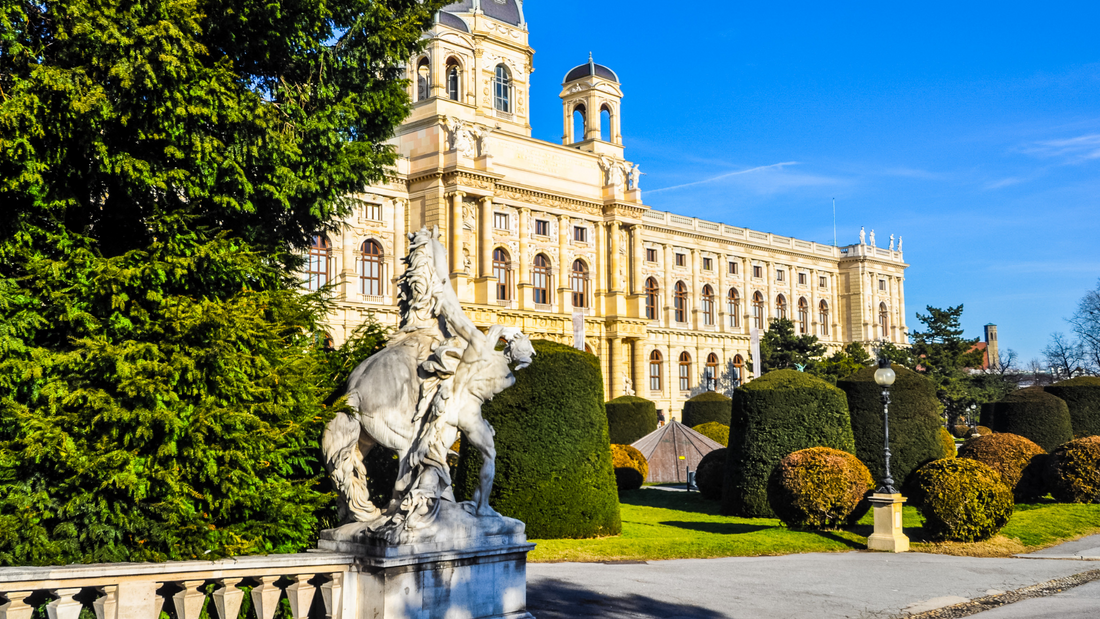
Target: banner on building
(754,342)
(578,330)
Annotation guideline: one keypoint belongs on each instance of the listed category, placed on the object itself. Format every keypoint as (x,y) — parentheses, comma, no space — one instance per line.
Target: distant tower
(991,346)
(590,98)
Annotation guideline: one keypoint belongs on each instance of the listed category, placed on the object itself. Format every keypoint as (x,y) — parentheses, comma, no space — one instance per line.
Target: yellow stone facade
(470,166)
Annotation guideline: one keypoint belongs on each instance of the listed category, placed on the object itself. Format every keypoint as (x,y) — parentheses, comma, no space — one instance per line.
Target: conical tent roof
(671,449)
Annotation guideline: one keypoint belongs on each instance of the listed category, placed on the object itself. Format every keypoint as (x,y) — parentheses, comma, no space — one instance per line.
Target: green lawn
(658,524)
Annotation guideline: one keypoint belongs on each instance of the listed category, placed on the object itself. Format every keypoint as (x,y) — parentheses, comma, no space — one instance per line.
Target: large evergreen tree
(943,354)
(162,164)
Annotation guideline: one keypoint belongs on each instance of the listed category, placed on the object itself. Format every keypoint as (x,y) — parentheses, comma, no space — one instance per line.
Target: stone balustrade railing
(143,590)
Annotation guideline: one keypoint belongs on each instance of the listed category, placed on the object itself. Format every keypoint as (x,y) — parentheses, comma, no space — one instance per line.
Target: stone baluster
(300,593)
(265,597)
(16,607)
(189,601)
(332,596)
(65,606)
(106,605)
(228,598)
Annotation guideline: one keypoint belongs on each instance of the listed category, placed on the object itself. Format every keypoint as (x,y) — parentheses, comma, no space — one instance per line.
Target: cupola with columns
(591,98)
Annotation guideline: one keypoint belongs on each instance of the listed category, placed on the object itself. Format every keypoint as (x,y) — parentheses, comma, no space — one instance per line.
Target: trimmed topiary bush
(915,424)
(962,500)
(630,465)
(819,488)
(961,431)
(1018,460)
(1073,471)
(553,458)
(706,407)
(948,443)
(711,474)
(1034,414)
(629,418)
(1082,397)
(981,431)
(779,413)
(715,432)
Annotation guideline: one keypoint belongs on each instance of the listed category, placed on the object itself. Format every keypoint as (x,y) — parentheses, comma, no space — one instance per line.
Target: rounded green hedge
(779,413)
(915,424)
(631,467)
(962,500)
(819,488)
(981,430)
(629,418)
(948,442)
(553,457)
(1035,414)
(1073,471)
(710,475)
(706,407)
(961,431)
(715,431)
(1018,460)
(1082,397)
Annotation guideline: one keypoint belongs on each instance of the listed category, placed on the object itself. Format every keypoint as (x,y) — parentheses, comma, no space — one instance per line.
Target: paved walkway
(843,585)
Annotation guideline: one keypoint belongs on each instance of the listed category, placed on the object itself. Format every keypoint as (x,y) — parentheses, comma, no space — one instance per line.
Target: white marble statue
(462,136)
(872,237)
(635,176)
(862,236)
(891,242)
(628,385)
(486,144)
(413,397)
(616,175)
(899,243)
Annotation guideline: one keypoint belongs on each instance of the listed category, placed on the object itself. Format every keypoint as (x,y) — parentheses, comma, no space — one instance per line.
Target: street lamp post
(887,501)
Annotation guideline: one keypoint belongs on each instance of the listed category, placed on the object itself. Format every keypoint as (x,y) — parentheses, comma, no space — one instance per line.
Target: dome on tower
(507,11)
(590,69)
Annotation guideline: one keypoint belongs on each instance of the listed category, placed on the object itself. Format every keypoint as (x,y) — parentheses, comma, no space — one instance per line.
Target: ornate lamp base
(887,536)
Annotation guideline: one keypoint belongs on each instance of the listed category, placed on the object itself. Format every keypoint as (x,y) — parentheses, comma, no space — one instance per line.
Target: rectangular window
(882,284)
(580,234)
(757,271)
(801,279)
(779,275)
(651,255)
(733,268)
(822,281)
(707,266)
(542,227)
(373,212)
(500,221)
(681,260)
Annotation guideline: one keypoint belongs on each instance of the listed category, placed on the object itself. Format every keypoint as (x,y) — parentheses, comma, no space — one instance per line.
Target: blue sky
(970,129)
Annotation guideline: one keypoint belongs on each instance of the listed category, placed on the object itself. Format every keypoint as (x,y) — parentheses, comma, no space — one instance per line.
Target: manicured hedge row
(1034,414)
(706,407)
(715,432)
(1019,461)
(1082,397)
(553,457)
(819,488)
(777,414)
(629,418)
(962,500)
(915,437)
(1073,473)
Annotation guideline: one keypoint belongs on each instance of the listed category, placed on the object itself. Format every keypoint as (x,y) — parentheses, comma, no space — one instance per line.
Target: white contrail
(726,175)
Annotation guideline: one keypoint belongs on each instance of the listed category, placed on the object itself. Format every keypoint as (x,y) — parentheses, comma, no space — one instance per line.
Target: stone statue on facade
(891,242)
(872,237)
(616,174)
(862,236)
(899,243)
(628,385)
(486,144)
(462,136)
(414,397)
(635,176)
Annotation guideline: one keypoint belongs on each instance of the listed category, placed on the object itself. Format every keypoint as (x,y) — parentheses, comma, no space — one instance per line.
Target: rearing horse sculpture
(415,395)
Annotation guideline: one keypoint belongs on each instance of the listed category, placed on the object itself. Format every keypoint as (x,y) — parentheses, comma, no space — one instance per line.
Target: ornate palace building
(539,232)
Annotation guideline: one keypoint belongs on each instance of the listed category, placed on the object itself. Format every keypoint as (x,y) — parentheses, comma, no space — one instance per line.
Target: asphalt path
(856,584)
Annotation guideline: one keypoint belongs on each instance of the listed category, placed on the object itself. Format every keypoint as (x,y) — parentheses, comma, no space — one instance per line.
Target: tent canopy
(671,449)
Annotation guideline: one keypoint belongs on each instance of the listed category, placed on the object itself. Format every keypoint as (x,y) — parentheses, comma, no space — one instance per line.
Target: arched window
(712,371)
(680,302)
(605,123)
(502,270)
(685,372)
(578,122)
(453,74)
(823,317)
(578,281)
(780,307)
(655,370)
(738,369)
(803,316)
(423,79)
(316,274)
(651,292)
(758,310)
(733,307)
(708,305)
(502,89)
(370,268)
(540,279)
(883,320)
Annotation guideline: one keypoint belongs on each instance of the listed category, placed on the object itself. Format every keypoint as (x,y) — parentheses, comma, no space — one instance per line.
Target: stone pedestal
(888,536)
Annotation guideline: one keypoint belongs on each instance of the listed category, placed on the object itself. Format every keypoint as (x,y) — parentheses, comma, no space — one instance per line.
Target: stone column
(400,212)
(695,295)
(456,232)
(722,293)
(636,259)
(613,232)
(347,256)
(615,367)
(485,259)
(438,80)
(903,335)
(641,367)
(667,315)
(600,270)
(564,300)
(523,268)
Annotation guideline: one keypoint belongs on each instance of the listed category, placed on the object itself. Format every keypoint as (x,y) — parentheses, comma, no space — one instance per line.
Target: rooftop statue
(414,397)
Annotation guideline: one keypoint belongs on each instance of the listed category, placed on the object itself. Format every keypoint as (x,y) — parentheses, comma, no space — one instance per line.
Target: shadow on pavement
(726,528)
(554,599)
